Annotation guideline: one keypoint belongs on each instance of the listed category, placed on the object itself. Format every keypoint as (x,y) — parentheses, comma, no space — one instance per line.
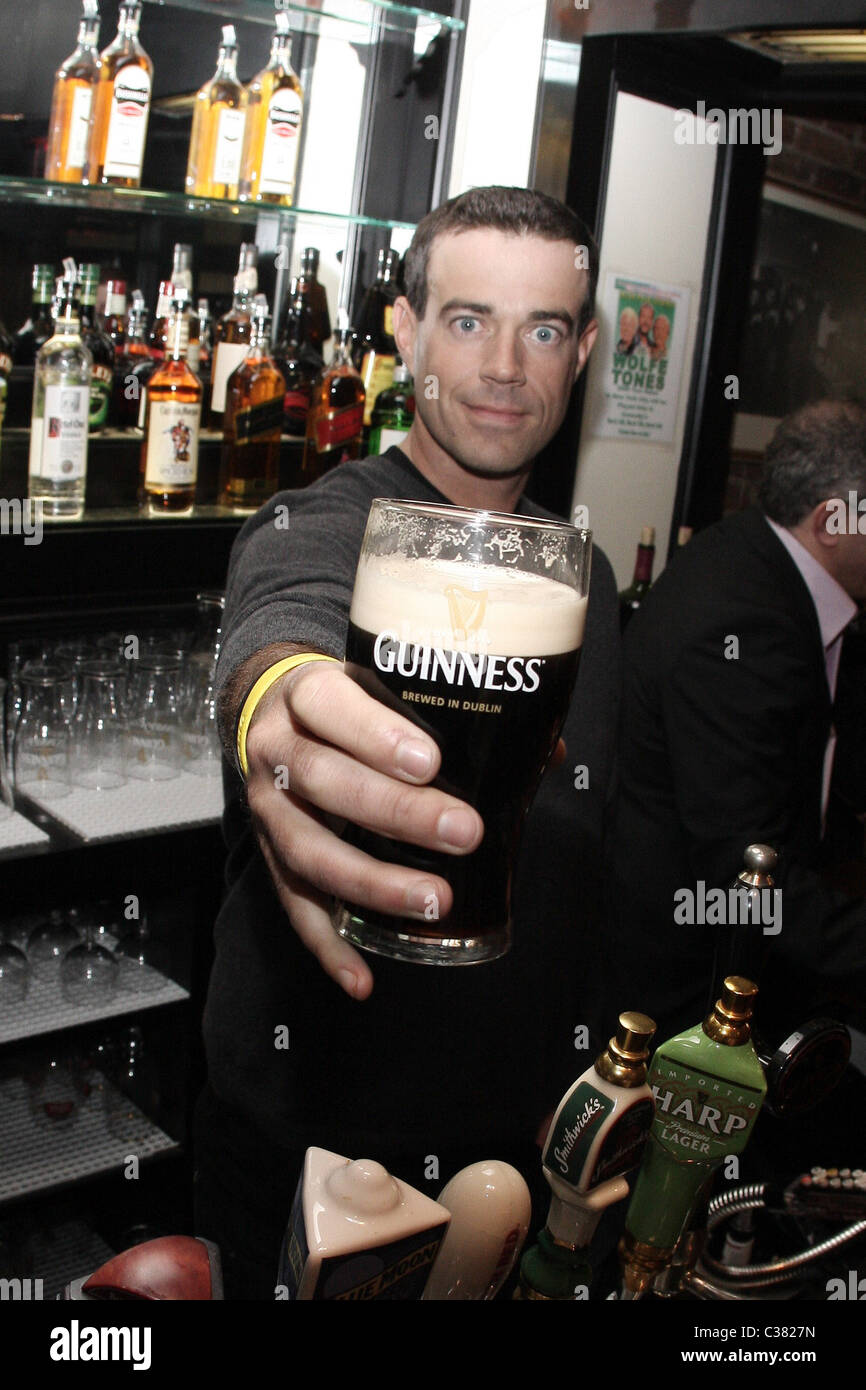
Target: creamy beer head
(486,609)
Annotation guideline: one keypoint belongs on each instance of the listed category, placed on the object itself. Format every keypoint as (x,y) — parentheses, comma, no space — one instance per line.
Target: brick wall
(824,158)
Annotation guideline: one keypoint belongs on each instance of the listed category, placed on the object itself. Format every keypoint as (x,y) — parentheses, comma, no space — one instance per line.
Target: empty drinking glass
(152,736)
(49,942)
(97,737)
(89,972)
(41,745)
(7,800)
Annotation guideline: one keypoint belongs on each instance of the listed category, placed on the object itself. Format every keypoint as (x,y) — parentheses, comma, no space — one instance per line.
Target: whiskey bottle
(169,451)
(72,102)
(252,423)
(318,323)
(375,352)
(273,125)
(630,599)
(300,364)
(205,351)
(114,315)
(181,279)
(158,335)
(393,412)
(100,347)
(129,387)
(121,106)
(214,163)
(336,418)
(61,407)
(38,328)
(232,332)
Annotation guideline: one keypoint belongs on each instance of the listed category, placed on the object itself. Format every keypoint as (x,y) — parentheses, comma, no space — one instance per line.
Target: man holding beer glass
(434,1065)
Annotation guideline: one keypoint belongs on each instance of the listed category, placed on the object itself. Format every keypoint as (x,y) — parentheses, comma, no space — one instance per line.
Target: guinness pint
(470,624)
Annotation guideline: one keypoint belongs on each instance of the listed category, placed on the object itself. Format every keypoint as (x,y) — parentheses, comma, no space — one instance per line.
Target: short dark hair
(817,453)
(519,210)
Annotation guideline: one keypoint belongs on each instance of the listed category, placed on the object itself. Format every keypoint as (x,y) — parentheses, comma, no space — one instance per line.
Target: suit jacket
(725,719)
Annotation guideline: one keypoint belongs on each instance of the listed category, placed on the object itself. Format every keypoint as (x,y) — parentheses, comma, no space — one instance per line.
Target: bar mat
(138,807)
(44,1008)
(16,831)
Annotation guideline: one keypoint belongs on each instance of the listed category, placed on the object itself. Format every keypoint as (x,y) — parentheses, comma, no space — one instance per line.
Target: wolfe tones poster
(642,366)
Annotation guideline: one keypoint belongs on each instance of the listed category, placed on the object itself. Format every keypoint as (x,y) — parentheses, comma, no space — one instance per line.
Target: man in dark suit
(728,735)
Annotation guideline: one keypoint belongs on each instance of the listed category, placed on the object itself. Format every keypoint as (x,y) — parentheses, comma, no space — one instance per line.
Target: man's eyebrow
(537,315)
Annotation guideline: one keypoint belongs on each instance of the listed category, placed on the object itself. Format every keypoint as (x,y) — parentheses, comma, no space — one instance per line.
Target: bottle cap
(90,9)
(647,535)
(180,297)
(281,22)
(310,259)
(229,37)
(182,256)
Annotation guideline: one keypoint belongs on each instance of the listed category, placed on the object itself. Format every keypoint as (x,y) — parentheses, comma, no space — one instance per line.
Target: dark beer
(483,659)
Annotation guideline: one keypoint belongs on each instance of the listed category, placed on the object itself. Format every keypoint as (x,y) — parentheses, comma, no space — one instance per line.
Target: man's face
(627,325)
(496,353)
(850,566)
(661,329)
(645,318)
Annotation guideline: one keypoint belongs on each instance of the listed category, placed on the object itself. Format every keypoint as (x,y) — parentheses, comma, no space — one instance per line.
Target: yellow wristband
(264,682)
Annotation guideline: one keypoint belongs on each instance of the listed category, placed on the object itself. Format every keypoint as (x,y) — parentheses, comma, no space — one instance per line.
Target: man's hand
(347,757)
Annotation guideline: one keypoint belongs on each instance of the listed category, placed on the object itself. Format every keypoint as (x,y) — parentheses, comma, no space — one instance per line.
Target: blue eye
(466,323)
(545,334)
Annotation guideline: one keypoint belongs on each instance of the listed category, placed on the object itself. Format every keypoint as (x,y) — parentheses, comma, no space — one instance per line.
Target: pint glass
(470,624)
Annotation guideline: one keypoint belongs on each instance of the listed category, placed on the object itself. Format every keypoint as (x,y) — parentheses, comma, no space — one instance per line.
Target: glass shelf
(360,14)
(159,204)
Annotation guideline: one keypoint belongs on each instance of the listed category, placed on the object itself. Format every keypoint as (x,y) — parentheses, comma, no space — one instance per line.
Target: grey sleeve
(291,573)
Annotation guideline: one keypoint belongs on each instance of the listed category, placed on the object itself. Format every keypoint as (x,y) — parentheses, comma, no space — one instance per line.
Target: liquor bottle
(121,106)
(630,599)
(231,336)
(61,407)
(273,125)
(214,163)
(393,412)
(100,347)
(181,279)
(708,1086)
(205,347)
(130,384)
(375,351)
(169,451)
(336,416)
(5,369)
(596,1135)
(38,328)
(300,364)
(158,335)
(114,315)
(252,422)
(318,321)
(72,102)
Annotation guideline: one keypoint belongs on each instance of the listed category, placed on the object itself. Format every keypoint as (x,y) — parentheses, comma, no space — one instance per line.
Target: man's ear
(823,522)
(585,345)
(405,330)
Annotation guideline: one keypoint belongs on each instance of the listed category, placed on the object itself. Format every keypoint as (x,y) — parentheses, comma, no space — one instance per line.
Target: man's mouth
(496,414)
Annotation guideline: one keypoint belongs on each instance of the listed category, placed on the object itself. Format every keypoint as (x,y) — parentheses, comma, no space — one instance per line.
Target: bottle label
(172,444)
(377,371)
(142,409)
(229,144)
(381,438)
(260,420)
(228,356)
(280,153)
(127,125)
(574,1131)
(296,406)
(335,427)
(193,355)
(61,444)
(114,304)
(389,320)
(100,395)
(79,127)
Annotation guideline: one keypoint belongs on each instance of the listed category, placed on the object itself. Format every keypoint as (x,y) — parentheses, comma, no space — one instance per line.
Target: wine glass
(49,942)
(89,972)
(138,957)
(14,973)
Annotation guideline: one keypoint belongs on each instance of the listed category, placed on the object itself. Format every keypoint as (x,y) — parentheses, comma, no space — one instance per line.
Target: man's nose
(504,360)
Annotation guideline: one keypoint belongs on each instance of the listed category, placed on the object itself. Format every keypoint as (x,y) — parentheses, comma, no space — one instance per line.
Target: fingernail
(348,981)
(413,757)
(423,899)
(457,828)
